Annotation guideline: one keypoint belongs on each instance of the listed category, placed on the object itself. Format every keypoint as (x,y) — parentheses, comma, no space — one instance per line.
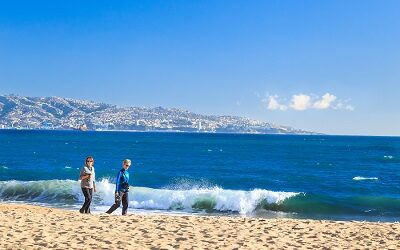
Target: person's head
(89,161)
(126,164)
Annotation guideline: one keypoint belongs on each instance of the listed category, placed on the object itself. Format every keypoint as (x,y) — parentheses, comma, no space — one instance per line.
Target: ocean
(290,176)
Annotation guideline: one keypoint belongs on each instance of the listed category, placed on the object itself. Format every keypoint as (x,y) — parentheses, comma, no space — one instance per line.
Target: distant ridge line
(21,112)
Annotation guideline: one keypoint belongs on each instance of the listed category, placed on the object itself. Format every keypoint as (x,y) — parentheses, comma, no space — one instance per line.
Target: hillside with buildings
(17,112)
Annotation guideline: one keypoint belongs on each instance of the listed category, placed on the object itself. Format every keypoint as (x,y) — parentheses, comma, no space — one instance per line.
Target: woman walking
(88,184)
(122,188)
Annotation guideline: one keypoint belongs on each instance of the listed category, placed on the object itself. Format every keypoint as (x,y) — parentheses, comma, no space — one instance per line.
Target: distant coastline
(50,113)
(157,131)
(192,132)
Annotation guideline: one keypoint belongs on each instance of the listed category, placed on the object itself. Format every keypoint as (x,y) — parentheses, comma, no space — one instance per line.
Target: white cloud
(349,107)
(273,104)
(341,105)
(325,102)
(300,102)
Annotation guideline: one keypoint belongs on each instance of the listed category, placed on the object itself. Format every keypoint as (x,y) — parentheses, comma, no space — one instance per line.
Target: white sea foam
(388,157)
(361,178)
(68,191)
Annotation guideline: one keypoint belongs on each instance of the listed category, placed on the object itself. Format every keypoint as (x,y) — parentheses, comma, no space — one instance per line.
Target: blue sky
(326,66)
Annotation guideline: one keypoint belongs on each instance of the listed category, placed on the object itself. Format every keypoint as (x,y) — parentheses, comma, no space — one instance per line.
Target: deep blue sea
(296,176)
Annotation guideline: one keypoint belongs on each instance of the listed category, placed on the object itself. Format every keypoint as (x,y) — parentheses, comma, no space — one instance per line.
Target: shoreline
(36,227)
(162,131)
(205,132)
(272,216)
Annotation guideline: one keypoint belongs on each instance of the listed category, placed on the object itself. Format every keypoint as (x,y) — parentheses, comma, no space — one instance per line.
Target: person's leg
(87,210)
(125,203)
(114,206)
(86,193)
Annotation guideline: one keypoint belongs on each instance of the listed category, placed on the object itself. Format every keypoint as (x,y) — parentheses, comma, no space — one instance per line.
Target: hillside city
(17,112)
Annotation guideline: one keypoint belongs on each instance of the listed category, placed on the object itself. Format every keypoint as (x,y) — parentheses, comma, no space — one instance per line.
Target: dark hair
(89,158)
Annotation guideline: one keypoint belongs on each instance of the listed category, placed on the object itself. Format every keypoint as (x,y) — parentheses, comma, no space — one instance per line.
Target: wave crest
(361,178)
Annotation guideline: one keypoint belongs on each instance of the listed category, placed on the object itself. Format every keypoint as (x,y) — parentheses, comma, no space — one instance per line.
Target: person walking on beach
(121,188)
(88,184)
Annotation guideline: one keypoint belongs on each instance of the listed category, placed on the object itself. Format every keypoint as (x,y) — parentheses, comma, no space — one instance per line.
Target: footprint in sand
(181,239)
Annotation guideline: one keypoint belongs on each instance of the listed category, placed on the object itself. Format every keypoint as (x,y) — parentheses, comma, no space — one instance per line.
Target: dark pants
(87,192)
(124,199)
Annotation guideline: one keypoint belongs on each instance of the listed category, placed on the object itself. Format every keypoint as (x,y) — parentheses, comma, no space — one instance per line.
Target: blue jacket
(122,181)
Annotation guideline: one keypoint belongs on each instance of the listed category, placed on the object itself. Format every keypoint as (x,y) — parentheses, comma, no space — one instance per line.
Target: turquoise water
(324,177)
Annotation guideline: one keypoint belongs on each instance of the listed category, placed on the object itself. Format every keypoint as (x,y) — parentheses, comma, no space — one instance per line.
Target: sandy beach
(34,227)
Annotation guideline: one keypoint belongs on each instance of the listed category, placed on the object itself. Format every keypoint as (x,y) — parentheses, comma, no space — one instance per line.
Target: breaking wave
(213,199)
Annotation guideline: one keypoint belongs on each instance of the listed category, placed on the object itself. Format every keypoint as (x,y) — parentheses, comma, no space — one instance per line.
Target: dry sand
(34,227)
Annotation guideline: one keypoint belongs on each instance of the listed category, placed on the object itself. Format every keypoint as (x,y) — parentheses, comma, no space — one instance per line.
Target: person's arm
(117,182)
(85,176)
(94,182)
